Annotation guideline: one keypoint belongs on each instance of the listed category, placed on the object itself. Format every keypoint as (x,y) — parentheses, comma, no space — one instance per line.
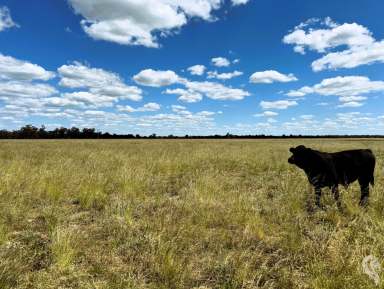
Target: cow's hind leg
(318,196)
(336,195)
(364,185)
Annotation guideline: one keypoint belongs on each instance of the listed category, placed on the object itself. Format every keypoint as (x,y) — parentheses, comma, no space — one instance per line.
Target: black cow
(332,169)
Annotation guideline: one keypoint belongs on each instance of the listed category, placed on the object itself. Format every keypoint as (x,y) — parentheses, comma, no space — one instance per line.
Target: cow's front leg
(336,195)
(318,196)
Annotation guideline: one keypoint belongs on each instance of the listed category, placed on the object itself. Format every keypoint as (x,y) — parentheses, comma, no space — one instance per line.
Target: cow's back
(354,164)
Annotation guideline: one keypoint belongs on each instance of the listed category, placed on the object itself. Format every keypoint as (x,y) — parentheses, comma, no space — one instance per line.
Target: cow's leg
(318,196)
(364,195)
(364,185)
(336,195)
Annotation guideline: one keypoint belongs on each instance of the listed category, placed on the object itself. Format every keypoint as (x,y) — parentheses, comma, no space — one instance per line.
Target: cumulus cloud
(220,62)
(197,69)
(270,76)
(193,91)
(361,47)
(62,102)
(79,75)
(10,90)
(349,34)
(295,93)
(351,104)
(279,104)
(156,78)
(224,76)
(151,106)
(89,99)
(178,108)
(349,89)
(185,95)
(352,98)
(119,90)
(267,113)
(14,69)
(98,81)
(239,2)
(6,19)
(132,22)
(21,89)
(216,91)
(352,57)
(342,86)
(125,108)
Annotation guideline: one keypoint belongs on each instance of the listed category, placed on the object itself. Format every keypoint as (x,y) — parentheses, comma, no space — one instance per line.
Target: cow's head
(299,156)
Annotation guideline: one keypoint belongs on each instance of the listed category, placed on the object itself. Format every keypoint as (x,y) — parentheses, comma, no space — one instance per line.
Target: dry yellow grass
(179,214)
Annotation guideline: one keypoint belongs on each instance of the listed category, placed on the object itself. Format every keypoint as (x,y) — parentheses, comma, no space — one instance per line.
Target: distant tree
(28,131)
(74,132)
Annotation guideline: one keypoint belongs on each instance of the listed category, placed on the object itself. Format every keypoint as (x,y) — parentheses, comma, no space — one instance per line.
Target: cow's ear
(292,150)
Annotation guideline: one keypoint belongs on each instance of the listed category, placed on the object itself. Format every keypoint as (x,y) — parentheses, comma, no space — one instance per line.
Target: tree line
(33,132)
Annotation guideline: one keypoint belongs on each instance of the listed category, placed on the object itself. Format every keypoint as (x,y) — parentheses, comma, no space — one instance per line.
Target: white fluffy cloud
(133,22)
(352,57)
(156,78)
(342,86)
(193,91)
(197,69)
(179,122)
(239,2)
(216,91)
(224,76)
(348,88)
(98,81)
(78,75)
(351,104)
(151,106)
(10,90)
(185,95)
(361,47)
(350,34)
(119,90)
(14,69)
(62,102)
(352,98)
(21,89)
(178,108)
(267,113)
(270,76)
(296,93)
(278,104)
(220,62)
(89,99)
(6,19)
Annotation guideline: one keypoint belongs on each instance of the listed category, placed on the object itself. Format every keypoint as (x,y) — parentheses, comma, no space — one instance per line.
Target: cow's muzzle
(291,160)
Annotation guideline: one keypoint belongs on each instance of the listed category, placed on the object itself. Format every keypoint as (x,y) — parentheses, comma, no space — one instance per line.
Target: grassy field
(179,214)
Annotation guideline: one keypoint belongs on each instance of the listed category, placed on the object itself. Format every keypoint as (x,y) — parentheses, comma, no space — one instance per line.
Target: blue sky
(194,67)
